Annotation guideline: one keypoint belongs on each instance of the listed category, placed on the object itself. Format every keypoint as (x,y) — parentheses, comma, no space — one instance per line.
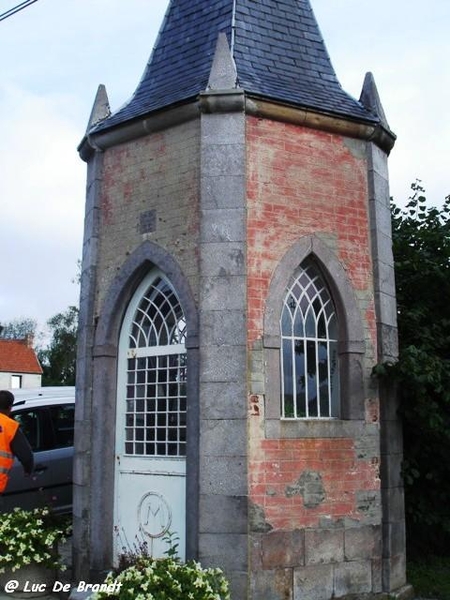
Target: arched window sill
(314,428)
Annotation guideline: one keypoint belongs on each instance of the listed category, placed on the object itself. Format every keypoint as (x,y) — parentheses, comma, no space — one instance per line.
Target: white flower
(27,537)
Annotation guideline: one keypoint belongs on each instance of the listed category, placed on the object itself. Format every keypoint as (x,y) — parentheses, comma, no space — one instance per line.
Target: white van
(46,416)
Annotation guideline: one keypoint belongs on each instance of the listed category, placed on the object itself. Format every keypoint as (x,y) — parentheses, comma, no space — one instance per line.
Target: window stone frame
(105,358)
(351,346)
(303,309)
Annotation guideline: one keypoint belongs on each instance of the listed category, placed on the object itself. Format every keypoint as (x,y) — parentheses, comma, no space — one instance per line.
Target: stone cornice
(223,101)
(365,130)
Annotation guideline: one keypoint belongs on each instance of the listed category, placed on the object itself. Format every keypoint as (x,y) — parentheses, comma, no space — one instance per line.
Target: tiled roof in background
(17,356)
(277,47)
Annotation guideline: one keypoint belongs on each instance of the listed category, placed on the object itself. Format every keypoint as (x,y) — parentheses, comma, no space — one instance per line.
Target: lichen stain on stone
(310,487)
(258,523)
(356,147)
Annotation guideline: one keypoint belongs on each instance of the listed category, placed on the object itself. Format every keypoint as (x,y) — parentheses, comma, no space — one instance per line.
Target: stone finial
(223,74)
(370,99)
(100,109)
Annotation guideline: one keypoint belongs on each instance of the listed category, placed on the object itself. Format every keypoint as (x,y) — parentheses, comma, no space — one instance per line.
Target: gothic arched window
(309,353)
(155,416)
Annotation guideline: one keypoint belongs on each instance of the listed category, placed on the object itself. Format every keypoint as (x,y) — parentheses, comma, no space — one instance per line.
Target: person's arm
(21,448)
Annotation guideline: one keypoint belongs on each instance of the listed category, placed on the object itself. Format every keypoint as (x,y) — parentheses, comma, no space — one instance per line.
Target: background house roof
(18,356)
(277,48)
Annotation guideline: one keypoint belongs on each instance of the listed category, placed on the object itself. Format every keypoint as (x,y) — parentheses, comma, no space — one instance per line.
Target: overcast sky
(54,54)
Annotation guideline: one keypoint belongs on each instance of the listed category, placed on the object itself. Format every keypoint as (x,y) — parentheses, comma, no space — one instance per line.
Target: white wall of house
(10,381)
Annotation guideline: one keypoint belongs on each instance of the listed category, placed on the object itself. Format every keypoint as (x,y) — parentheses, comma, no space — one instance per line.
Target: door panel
(150,469)
(151,496)
(49,485)
(51,482)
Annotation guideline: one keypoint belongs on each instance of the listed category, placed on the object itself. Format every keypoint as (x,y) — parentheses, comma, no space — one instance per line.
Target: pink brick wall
(275,474)
(302,182)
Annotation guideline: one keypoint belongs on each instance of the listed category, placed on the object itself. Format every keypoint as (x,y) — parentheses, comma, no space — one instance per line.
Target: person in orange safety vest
(12,441)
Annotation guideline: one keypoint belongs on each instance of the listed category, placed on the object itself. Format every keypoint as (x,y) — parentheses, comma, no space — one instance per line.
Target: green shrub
(164,579)
(30,537)
(421,244)
(430,577)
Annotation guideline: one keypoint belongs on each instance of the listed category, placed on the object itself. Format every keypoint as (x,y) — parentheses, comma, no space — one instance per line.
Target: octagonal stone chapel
(237,290)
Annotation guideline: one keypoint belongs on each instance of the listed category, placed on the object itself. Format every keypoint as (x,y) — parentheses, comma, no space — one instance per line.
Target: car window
(63,423)
(32,424)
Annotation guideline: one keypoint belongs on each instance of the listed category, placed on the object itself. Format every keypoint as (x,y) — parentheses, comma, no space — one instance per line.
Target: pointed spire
(370,98)
(100,109)
(223,74)
(277,53)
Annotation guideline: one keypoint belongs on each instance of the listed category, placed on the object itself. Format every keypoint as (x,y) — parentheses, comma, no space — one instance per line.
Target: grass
(430,577)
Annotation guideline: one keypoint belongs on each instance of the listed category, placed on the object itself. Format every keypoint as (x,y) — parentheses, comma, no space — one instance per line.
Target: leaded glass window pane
(159,319)
(309,359)
(155,418)
(288,382)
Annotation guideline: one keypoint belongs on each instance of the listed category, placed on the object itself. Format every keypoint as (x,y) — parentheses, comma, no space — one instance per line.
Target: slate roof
(277,47)
(17,356)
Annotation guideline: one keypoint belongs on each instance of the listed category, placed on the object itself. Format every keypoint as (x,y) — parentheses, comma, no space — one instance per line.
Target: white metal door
(150,470)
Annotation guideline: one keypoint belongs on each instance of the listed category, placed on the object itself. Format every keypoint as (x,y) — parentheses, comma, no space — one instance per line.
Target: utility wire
(16,9)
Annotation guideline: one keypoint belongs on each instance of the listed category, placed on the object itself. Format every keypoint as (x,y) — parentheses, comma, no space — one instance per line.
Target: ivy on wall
(421,244)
